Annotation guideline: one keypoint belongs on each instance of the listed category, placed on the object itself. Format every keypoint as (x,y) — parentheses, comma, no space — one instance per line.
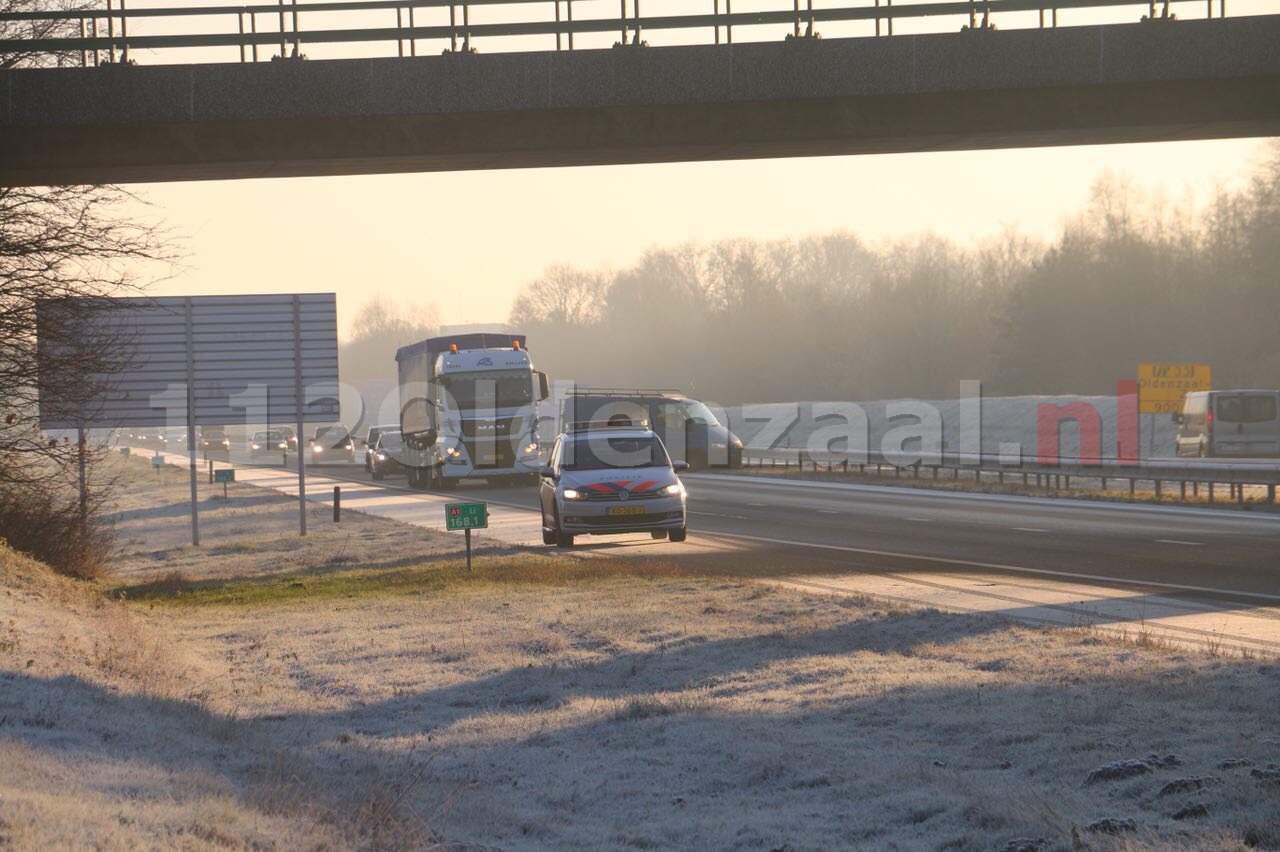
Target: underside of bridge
(1154,81)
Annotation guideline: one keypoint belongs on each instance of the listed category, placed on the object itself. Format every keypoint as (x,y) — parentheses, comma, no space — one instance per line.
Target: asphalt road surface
(841,528)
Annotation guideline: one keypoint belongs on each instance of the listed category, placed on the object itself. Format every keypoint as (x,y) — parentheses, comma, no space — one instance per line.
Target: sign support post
(297,401)
(84,481)
(191,426)
(466,517)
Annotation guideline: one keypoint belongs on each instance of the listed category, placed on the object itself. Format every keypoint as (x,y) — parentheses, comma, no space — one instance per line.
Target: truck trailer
(469,409)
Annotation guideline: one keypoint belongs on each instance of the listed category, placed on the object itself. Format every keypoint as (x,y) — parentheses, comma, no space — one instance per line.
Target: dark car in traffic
(388,456)
(371,440)
(214,441)
(332,443)
(688,428)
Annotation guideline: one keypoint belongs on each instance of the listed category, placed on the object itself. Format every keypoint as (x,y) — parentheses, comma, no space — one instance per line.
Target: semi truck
(469,409)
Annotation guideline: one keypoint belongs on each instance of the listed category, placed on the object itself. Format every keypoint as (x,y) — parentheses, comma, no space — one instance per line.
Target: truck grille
(487,453)
(485,428)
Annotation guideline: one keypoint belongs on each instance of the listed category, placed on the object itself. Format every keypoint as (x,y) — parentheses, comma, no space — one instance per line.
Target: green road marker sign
(224,476)
(467,517)
(124,451)
(157,461)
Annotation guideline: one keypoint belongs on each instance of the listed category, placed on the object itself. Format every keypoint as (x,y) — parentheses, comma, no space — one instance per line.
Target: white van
(1241,423)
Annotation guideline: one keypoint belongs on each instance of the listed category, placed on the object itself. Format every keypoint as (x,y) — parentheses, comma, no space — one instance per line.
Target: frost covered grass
(701,713)
(254,533)
(552,703)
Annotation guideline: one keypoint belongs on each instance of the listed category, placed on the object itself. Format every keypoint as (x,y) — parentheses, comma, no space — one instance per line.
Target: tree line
(1130,278)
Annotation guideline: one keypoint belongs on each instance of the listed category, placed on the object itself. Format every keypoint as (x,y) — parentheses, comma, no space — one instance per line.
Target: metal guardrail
(287,17)
(1209,473)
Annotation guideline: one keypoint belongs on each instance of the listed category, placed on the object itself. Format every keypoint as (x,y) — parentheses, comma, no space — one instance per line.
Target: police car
(609,478)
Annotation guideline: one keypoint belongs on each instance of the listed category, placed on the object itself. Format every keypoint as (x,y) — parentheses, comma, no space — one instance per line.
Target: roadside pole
(468,550)
(191,450)
(297,401)
(191,424)
(84,482)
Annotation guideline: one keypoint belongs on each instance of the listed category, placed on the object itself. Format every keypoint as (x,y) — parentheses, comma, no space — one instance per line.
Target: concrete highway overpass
(1143,82)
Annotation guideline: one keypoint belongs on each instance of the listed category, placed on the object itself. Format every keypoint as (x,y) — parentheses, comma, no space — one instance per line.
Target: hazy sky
(469,241)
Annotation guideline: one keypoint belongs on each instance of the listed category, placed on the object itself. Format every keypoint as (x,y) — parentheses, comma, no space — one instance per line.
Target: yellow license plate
(626,510)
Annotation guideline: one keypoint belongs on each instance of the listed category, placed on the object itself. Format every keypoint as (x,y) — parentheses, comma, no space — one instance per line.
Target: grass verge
(423,578)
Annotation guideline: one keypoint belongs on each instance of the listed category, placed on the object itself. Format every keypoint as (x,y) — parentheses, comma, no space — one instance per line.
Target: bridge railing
(1188,475)
(117,31)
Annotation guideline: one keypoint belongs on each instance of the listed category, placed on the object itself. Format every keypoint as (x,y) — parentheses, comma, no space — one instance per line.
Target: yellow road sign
(1161,387)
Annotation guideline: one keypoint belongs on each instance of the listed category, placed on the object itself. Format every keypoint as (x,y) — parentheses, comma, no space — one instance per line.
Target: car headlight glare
(254,447)
(531,447)
(571,494)
(673,488)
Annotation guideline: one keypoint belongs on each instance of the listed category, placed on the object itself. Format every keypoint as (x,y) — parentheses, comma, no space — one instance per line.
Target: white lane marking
(758,505)
(920,520)
(718,515)
(828,512)
(1028,529)
(944,560)
(1179,541)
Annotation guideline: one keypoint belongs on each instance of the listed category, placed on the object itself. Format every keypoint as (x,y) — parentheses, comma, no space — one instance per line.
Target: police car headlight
(254,447)
(454,452)
(571,494)
(530,448)
(673,489)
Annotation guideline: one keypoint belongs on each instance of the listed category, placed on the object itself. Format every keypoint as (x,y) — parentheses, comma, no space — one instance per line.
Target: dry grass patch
(432,578)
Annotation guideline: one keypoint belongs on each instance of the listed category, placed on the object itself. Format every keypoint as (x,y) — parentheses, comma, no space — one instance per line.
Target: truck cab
(469,409)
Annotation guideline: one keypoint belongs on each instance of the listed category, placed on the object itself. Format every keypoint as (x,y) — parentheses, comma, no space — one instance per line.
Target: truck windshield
(602,453)
(490,389)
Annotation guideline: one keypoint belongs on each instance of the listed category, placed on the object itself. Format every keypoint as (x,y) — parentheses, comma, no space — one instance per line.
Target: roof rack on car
(611,423)
(625,392)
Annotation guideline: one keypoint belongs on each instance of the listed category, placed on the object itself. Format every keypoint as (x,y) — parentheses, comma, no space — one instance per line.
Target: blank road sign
(235,358)
(1161,387)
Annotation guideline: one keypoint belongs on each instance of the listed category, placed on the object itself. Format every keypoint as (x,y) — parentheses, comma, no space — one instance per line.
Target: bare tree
(62,251)
(562,295)
(380,327)
(65,25)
